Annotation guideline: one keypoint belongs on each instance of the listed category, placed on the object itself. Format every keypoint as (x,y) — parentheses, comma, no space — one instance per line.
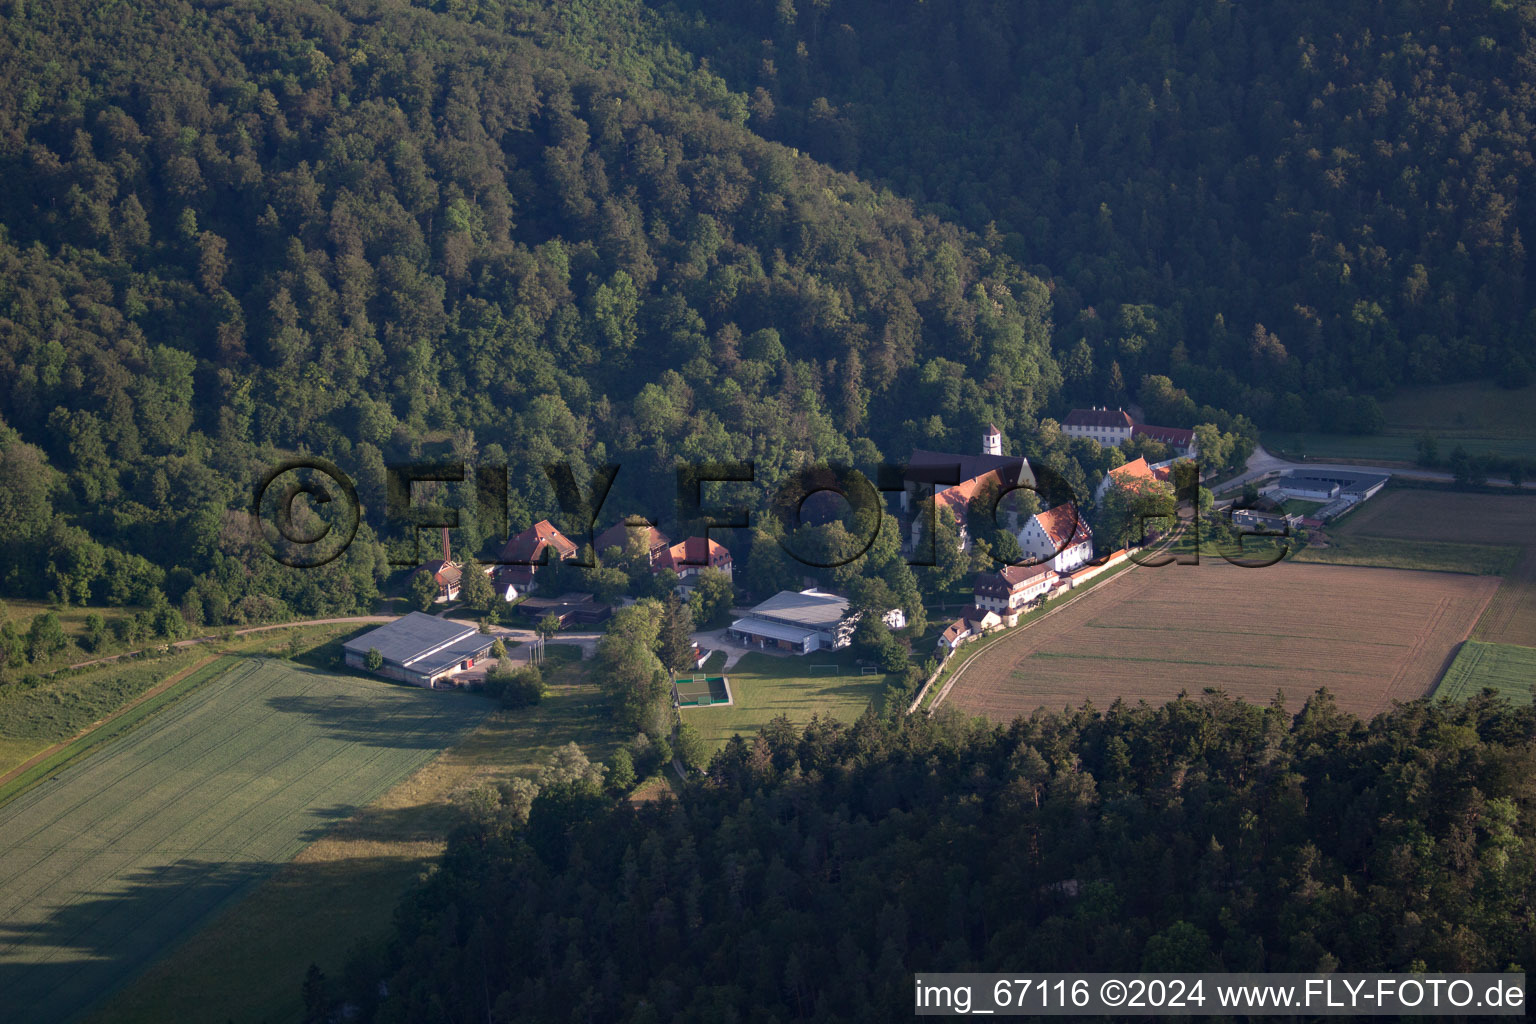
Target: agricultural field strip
(1511,615)
(263,809)
(1346,653)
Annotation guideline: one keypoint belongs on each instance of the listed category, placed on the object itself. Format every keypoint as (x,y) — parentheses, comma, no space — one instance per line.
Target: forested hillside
(1348,176)
(810,875)
(607,231)
(237,230)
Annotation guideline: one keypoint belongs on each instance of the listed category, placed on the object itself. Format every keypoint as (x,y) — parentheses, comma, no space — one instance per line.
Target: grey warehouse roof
(1348,482)
(410,637)
(472,646)
(813,610)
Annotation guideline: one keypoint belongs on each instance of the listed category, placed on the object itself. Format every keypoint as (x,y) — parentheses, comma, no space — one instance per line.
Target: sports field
(1508,668)
(1370,636)
(117,857)
(764,687)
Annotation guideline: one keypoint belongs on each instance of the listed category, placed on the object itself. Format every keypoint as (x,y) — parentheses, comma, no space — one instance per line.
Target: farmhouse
(420,649)
(1011,589)
(810,620)
(972,623)
(692,555)
(525,553)
(1113,427)
(1058,537)
(446,573)
(621,534)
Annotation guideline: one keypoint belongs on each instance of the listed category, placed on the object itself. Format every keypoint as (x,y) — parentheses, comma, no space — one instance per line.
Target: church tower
(992,440)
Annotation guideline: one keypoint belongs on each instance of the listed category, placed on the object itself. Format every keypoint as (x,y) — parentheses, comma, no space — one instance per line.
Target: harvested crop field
(1452,520)
(1511,615)
(1371,636)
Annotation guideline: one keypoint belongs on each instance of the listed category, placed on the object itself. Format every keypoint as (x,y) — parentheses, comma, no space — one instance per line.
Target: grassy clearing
(1508,668)
(764,687)
(57,707)
(120,855)
(244,966)
(118,726)
(1396,553)
(1479,416)
(33,718)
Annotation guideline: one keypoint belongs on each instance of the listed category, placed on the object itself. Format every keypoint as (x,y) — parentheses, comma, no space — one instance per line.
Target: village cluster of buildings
(1337,491)
(1056,542)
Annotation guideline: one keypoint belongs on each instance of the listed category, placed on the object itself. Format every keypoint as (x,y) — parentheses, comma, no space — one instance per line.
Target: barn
(420,649)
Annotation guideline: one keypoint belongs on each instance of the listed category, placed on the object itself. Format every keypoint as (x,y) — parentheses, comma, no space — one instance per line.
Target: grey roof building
(798,622)
(420,649)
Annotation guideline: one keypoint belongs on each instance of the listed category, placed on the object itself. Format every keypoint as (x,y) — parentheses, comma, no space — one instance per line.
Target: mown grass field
(1508,668)
(764,687)
(243,966)
(58,707)
(1479,416)
(125,852)
(33,718)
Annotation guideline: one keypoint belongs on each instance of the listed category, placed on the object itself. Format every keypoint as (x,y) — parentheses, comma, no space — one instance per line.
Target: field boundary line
(45,755)
(1006,634)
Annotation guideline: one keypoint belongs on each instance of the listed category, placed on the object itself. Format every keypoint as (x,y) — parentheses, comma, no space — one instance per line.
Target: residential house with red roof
(1010,590)
(692,555)
(972,623)
(525,553)
(1059,537)
(621,534)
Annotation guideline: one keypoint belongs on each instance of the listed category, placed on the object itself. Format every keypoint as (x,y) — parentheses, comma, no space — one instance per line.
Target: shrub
(621,771)
(517,686)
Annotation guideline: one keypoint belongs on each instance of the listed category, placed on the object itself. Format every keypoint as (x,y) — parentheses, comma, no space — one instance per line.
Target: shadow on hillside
(100,940)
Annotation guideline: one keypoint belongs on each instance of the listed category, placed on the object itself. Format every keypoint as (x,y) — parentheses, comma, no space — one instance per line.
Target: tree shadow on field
(53,968)
(419,724)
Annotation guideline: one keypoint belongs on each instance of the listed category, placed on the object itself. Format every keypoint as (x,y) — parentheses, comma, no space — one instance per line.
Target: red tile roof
(528,546)
(1176,436)
(1064,526)
(1138,472)
(1098,418)
(955,630)
(617,535)
(693,553)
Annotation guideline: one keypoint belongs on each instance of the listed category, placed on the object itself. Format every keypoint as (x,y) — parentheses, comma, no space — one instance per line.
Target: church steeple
(992,440)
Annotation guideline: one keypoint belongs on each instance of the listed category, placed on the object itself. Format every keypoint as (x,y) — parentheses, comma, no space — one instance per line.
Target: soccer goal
(869,670)
(823,670)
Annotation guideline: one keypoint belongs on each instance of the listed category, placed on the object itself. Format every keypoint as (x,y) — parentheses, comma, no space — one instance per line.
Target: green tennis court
(701,691)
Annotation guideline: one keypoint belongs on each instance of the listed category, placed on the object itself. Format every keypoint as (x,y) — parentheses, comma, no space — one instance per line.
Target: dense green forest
(617,233)
(1348,176)
(810,874)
